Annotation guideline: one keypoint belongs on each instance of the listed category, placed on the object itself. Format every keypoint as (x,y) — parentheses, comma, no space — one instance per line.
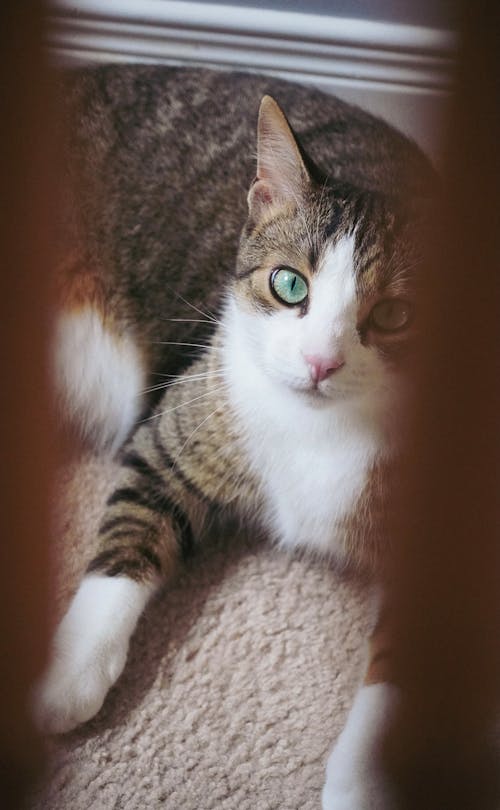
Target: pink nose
(322,367)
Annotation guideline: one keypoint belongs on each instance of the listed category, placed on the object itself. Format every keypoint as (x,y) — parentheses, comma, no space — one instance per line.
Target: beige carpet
(238,680)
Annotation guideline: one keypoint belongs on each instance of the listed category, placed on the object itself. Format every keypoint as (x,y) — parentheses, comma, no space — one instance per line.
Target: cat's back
(198,126)
(160,160)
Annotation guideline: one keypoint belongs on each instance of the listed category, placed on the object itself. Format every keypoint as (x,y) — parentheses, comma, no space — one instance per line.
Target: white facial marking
(327,330)
(99,377)
(330,324)
(312,449)
(284,340)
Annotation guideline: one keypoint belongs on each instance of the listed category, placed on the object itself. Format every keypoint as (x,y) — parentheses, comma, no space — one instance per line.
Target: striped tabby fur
(172,481)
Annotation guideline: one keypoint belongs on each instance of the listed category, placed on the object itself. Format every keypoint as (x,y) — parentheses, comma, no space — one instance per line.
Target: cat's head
(325,275)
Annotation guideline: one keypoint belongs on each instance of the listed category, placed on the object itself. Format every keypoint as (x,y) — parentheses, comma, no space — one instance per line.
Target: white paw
(354,778)
(78,679)
(89,651)
(348,794)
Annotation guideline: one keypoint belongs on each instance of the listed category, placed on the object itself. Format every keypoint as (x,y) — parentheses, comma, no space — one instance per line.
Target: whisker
(185,376)
(188,320)
(180,381)
(208,315)
(183,404)
(176,343)
(177,457)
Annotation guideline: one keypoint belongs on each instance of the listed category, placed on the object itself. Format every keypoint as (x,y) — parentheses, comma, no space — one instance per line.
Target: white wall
(433,13)
(400,71)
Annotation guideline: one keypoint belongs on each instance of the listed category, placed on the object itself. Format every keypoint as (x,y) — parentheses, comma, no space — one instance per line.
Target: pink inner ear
(262,191)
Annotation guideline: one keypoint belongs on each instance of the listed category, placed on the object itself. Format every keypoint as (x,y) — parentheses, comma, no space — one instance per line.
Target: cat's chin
(312,395)
(318,398)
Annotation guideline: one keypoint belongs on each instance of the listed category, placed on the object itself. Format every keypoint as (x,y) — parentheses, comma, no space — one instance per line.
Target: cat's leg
(99,369)
(89,650)
(355,778)
(147,525)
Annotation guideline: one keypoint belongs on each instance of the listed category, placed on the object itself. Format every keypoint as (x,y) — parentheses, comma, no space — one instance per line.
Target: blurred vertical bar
(26,438)
(447,574)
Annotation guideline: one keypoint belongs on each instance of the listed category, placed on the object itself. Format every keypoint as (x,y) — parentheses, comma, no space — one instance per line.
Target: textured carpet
(238,680)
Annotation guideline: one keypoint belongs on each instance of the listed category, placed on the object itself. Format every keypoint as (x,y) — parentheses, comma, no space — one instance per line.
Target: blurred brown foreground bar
(447,576)
(26,445)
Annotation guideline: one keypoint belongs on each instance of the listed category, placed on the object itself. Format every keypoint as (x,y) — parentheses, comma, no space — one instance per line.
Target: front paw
(354,776)
(89,652)
(77,681)
(356,791)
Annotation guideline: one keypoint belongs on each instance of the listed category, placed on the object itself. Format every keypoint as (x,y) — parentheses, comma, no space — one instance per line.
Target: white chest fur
(313,459)
(312,483)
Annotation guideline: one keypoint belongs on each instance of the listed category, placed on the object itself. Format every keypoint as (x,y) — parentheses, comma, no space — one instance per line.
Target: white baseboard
(401,72)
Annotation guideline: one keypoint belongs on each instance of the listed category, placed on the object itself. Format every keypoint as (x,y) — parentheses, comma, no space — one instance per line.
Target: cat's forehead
(358,239)
(343,210)
(333,292)
(370,233)
(335,271)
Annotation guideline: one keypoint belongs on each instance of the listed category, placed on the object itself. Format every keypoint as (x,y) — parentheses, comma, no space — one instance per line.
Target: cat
(268,310)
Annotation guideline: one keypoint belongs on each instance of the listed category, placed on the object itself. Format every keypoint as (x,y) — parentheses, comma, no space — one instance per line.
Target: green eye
(391,315)
(288,286)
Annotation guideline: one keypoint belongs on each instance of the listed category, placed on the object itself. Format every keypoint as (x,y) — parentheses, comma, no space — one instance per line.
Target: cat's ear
(281,172)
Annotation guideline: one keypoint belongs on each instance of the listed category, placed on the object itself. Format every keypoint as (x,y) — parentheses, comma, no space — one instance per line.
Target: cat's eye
(391,315)
(288,286)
